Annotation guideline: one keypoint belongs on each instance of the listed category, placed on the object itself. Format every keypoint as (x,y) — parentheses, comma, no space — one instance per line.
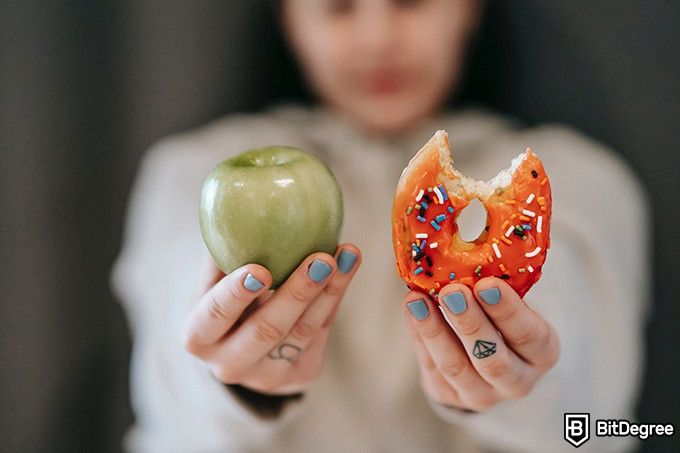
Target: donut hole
(472,221)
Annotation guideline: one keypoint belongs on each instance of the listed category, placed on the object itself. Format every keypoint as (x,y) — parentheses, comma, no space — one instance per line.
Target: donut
(431,194)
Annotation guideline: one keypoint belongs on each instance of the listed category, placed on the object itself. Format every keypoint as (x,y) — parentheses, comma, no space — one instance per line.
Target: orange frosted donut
(430,195)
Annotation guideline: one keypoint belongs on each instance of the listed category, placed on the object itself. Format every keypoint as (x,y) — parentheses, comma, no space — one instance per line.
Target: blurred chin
(391,116)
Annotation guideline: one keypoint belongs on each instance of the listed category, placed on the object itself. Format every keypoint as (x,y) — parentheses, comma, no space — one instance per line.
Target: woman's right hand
(269,341)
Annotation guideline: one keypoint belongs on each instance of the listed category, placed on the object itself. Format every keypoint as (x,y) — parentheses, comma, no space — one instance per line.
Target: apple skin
(272,206)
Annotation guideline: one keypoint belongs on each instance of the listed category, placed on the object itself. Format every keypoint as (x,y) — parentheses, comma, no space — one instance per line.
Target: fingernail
(251,283)
(346,260)
(319,270)
(491,295)
(455,301)
(418,309)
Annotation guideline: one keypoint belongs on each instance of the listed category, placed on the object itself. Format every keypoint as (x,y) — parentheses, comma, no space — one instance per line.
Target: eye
(534,173)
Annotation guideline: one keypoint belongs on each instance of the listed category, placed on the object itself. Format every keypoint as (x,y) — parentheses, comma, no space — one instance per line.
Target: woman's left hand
(497,349)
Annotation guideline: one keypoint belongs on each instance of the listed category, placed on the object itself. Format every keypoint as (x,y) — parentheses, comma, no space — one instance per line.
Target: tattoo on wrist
(483,348)
(285,351)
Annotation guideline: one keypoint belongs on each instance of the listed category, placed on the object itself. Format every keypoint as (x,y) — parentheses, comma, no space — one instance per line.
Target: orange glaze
(504,208)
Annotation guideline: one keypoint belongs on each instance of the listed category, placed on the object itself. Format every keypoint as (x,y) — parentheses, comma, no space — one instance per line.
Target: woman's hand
(270,341)
(497,349)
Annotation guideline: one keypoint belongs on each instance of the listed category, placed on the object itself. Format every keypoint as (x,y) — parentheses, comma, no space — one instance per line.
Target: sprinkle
(505,224)
(450,209)
(432,291)
(544,181)
(509,232)
(531,269)
(435,225)
(418,270)
(525,218)
(540,200)
(495,241)
(418,206)
(505,276)
(533,253)
(420,195)
(428,273)
(433,245)
(452,275)
(437,285)
(506,240)
(413,253)
(534,173)
(521,270)
(421,235)
(424,205)
(421,218)
(427,198)
(543,208)
(415,247)
(501,266)
(525,226)
(409,210)
(429,189)
(429,261)
(529,213)
(496,250)
(436,200)
(440,218)
(510,202)
(443,191)
(422,244)
(489,259)
(419,254)
(440,197)
(513,216)
(524,238)
(530,198)
(539,224)
(478,270)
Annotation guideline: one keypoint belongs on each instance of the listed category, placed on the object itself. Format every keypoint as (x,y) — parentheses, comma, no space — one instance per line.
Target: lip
(383,82)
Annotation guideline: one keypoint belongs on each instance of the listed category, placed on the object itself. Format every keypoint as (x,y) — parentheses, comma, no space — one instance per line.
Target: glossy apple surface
(273,206)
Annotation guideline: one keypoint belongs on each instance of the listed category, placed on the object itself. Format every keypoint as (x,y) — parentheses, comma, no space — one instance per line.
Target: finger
(348,259)
(433,383)
(267,327)
(494,361)
(524,330)
(446,351)
(221,306)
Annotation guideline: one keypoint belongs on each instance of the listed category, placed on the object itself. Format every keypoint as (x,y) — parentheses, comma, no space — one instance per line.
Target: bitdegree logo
(577,428)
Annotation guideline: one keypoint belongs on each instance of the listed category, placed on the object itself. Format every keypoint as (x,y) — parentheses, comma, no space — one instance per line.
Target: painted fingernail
(346,260)
(455,301)
(418,309)
(490,295)
(251,283)
(319,270)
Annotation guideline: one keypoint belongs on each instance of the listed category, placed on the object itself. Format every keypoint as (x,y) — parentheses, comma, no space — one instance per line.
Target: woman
(226,365)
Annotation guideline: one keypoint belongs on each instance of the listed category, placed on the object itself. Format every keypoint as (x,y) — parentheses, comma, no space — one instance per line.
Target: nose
(376,28)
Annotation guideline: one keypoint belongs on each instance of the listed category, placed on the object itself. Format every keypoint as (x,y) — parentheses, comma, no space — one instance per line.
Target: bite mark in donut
(430,195)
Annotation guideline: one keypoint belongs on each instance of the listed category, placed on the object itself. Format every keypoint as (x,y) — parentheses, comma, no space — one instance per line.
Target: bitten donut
(430,196)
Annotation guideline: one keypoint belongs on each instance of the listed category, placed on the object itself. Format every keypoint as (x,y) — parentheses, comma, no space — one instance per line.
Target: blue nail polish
(418,309)
(251,283)
(456,302)
(491,295)
(319,270)
(346,260)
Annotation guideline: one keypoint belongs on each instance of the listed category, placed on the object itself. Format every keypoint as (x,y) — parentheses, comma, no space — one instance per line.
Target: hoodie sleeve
(595,291)
(179,405)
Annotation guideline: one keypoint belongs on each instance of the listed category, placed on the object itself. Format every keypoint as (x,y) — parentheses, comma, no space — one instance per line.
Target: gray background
(86,86)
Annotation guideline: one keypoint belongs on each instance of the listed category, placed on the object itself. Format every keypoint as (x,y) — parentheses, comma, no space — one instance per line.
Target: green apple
(273,206)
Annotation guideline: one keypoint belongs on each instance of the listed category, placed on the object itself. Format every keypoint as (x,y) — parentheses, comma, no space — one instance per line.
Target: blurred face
(387,64)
